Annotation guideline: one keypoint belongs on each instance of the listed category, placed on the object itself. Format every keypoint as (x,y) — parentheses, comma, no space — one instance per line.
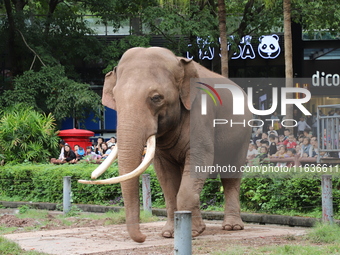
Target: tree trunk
(15,59)
(223,38)
(11,36)
(288,52)
(51,8)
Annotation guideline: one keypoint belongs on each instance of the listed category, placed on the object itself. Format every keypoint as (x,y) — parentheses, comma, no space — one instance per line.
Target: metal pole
(147,204)
(327,199)
(67,194)
(183,233)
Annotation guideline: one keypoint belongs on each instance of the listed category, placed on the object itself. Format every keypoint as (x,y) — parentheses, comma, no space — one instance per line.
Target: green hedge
(43,183)
(299,192)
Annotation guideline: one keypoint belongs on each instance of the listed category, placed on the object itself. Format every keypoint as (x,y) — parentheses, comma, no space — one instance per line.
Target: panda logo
(269,46)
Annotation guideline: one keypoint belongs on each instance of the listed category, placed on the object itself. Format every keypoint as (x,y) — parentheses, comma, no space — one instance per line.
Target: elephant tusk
(150,153)
(105,164)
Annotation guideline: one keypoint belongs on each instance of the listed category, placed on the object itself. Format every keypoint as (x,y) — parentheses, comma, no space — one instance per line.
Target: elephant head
(150,90)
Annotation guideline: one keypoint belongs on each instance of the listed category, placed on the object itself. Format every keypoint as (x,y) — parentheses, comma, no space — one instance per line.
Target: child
(282,153)
(260,157)
(314,151)
(291,154)
(286,133)
(306,133)
(290,142)
(298,150)
(281,137)
(263,154)
(302,125)
(300,139)
(305,148)
(272,146)
(252,152)
(271,130)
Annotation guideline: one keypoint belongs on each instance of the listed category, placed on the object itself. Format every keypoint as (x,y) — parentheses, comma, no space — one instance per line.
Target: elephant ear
(109,83)
(190,71)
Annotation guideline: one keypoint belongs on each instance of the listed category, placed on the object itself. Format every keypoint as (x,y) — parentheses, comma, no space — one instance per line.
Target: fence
(328,134)
(326,187)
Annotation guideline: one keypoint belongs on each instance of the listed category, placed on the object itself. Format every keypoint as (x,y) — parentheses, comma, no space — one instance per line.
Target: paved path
(91,240)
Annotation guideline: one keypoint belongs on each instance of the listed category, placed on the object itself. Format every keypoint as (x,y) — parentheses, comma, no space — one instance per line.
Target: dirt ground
(93,237)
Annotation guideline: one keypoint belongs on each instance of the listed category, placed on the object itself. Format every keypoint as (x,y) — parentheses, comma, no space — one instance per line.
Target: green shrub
(44,183)
(300,193)
(27,135)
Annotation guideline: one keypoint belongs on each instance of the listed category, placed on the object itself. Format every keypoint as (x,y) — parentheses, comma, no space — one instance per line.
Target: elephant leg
(188,199)
(232,213)
(169,177)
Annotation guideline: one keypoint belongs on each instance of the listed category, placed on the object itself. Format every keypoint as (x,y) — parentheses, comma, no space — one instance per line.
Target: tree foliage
(118,47)
(56,32)
(50,91)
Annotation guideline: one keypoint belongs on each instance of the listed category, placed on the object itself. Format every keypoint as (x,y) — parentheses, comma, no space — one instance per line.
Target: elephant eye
(157,98)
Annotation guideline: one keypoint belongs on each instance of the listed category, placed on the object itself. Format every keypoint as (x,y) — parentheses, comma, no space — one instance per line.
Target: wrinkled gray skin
(150,89)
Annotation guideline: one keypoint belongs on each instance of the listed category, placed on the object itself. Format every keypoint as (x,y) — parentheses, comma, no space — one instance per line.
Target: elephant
(151,91)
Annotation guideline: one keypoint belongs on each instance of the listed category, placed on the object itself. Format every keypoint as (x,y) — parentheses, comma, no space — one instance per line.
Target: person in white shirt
(61,155)
(302,125)
(252,151)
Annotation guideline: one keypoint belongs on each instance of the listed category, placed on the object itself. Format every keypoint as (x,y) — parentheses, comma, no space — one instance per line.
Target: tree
(223,37)
(288,52)
(182,24)
(50,91)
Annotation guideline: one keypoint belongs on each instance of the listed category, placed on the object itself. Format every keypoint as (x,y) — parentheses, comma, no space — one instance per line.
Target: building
(316,59)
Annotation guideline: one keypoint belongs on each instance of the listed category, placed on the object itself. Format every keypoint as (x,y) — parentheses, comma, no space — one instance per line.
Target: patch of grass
(298,250)
(112,217)
(317,213)
(9,247)
(23,209)
(6,230)
(321,239)
(64,221)
(324,233)
(281,250)
(32,213)
(96,216)
(147,217)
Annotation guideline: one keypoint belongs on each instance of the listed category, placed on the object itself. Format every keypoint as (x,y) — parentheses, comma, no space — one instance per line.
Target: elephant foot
(232,223)
(168,229)
(198,226)
(168,234)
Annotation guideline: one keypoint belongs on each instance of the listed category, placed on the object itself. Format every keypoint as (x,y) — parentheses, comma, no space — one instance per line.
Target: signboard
(268,47)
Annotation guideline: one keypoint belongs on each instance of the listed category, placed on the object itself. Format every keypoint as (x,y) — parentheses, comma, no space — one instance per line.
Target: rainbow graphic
(209,93)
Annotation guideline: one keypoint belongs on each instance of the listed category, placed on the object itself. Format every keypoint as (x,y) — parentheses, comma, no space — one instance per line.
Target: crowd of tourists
(95,153)
(278,142)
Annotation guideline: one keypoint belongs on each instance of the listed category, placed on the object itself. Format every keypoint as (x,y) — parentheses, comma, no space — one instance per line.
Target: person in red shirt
(290,143)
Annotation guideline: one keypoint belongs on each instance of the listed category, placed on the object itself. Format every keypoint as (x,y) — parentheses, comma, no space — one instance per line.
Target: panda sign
(269,46)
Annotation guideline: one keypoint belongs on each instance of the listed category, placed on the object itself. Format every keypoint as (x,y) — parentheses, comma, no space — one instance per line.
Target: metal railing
(328,132)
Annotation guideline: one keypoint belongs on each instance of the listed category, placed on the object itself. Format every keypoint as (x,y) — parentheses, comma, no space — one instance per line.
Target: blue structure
(100,128)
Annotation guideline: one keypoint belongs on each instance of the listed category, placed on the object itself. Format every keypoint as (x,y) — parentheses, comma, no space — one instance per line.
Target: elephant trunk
(131,146)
